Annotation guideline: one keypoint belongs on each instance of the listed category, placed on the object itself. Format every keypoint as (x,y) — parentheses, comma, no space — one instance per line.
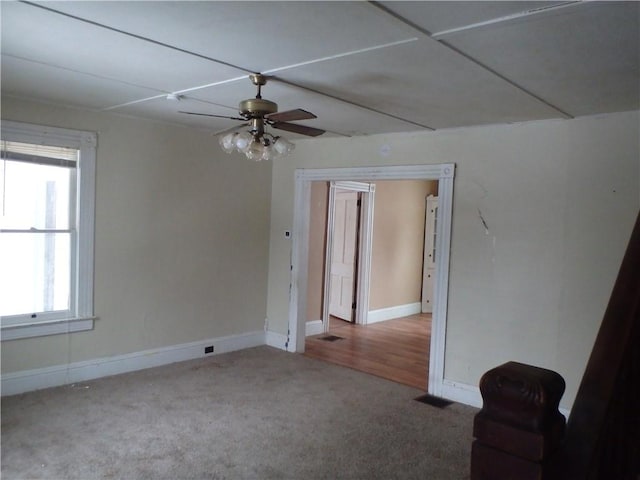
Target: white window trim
(82,312)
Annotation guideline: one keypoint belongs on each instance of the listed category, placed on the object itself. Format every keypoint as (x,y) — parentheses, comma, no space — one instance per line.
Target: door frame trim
(365,242)
(444,174)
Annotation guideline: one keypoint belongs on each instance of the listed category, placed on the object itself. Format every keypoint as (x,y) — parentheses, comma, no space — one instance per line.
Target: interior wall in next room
(398,242)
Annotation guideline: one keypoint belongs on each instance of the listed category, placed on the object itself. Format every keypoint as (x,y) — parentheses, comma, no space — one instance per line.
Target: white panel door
(343,255)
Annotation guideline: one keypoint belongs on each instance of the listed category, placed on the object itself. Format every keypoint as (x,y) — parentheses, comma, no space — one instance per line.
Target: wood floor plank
(396,349)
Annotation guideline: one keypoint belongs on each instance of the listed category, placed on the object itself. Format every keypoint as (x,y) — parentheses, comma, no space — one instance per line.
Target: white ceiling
(362,67)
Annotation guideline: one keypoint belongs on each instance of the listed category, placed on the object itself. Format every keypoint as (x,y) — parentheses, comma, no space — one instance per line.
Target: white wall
(181,246)
(559,199)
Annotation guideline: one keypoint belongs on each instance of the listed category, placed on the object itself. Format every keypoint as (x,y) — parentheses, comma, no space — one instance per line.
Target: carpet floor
(253,414)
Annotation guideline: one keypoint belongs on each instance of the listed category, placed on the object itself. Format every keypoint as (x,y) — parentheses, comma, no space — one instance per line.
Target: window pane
(35,196)
(35,274)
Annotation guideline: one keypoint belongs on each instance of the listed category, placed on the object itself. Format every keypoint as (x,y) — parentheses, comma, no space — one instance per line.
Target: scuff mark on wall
(493,238)
(484,222)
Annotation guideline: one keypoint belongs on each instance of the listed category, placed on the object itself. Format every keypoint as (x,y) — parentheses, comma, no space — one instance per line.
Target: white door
(343,255)
(429,269)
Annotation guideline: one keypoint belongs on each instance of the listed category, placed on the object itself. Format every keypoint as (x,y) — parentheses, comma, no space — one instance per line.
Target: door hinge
(353,306)
(359,203)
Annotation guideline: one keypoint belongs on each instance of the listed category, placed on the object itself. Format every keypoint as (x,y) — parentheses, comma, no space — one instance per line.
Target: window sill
(41,329)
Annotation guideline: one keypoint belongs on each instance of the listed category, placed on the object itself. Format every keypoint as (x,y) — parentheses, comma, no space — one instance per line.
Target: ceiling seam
(477,62)
(340,55)
(180,92)
(506,18)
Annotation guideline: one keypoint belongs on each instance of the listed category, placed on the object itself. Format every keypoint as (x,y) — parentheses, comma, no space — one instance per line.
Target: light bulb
(227,142)
(255,151)
(242,141)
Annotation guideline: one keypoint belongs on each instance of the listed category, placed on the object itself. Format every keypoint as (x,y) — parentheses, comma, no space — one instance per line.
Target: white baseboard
(390,313)
(314,327)
(462,393)
(28,380)
(276,340)
(470,395)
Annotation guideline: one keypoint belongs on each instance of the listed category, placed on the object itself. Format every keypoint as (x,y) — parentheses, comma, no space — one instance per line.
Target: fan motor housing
(257,107)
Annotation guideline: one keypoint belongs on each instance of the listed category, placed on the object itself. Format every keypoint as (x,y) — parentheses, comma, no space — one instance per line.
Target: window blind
(39,154)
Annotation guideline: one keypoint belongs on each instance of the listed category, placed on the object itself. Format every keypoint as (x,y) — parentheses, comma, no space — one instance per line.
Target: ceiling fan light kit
(256,143)
(264,147)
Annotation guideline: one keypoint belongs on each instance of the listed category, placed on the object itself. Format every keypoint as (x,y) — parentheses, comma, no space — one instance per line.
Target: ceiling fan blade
(289,115)
(212,115)
(295,128)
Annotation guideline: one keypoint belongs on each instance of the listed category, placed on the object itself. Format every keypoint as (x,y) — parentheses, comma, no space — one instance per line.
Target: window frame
(80,316)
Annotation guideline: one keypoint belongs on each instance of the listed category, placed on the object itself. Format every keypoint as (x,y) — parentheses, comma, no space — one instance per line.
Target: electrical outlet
(208,349)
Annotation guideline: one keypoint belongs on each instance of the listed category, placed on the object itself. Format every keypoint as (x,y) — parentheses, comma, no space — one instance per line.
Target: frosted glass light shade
(227,142)
(269,153)
(255,150)
(282,146)
(243,141)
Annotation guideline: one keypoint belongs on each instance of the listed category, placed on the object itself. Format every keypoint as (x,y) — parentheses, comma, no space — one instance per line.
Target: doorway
(394,343)
(444,174)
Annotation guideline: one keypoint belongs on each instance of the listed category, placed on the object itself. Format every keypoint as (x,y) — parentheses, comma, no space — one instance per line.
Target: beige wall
(398,242)
(181,245)
(559,198)
(317,245)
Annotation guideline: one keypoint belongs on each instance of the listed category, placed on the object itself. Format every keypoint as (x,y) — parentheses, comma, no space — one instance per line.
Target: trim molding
(314,327)
(53,327)
(390,313)
(461,393)
(36,379)
(276,340)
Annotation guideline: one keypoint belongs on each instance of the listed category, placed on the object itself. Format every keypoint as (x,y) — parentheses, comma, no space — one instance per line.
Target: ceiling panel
(164,110)
(36,81)
(46,37)
(583,59)
(436,17)
(258,36)
(333,115)
(423,82)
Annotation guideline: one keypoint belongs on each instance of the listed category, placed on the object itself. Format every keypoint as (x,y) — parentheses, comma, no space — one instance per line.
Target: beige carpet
(254,414)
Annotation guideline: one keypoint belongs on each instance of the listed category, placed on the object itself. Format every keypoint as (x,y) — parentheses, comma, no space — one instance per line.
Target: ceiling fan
(256,142)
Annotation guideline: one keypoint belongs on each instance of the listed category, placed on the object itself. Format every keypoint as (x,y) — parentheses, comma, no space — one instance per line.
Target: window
(47,192)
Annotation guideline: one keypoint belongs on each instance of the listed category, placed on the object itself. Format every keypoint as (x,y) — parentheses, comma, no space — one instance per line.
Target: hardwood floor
(396,349)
